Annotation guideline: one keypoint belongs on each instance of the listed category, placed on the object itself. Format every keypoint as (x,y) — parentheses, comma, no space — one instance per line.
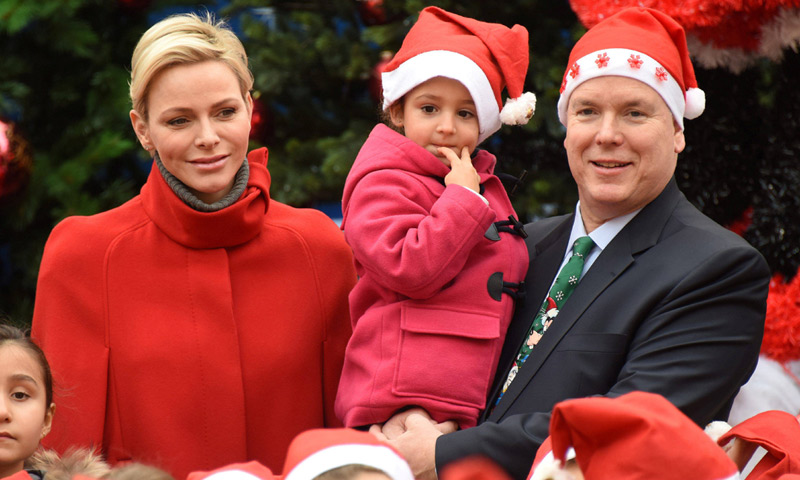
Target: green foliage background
(63,83)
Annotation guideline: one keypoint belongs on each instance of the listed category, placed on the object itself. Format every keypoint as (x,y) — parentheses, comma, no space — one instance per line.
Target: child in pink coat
(438,249)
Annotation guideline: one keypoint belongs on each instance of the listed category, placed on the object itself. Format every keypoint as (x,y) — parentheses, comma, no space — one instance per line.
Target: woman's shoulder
(94,232)
(310,224)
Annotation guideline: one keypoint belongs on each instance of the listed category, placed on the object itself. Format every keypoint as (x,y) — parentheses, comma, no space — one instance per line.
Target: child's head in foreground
(27,408)
(443,87)
(343,454)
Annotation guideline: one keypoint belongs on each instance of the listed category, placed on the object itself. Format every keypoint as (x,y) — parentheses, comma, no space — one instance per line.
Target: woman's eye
(176,122)
(228,112)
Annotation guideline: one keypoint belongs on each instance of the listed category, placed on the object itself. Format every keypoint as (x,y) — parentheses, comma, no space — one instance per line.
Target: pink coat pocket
(446,354)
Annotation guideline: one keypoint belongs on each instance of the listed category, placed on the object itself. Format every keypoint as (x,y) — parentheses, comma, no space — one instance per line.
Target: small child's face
(438,113)
(24,415)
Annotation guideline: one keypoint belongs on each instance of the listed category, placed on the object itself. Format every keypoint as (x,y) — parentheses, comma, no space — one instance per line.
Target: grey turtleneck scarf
(189,198)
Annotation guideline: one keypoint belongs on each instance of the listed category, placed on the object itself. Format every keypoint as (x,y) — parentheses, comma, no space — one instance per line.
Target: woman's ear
(142,131)
(396,113)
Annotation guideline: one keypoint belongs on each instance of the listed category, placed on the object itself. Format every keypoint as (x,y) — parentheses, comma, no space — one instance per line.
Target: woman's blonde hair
(185,39)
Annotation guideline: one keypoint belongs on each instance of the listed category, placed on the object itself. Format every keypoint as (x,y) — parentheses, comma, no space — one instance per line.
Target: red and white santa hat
(237,471)
(635,436)
(316,451)
(484,57)
(776,432)
(639,43)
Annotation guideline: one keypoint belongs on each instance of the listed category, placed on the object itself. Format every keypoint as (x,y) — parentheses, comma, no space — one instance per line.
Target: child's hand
(461,170)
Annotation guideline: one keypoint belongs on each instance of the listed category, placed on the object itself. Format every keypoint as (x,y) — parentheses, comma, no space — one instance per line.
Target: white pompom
(717,429)
(695,103)
(517,111)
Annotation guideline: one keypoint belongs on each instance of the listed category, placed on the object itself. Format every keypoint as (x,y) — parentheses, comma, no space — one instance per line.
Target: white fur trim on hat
(517,111)
(618,62)
(377,456)
(234,474)
(443,63)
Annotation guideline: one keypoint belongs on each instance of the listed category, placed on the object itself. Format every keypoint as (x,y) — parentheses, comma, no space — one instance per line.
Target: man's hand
(461,170)
(413,433)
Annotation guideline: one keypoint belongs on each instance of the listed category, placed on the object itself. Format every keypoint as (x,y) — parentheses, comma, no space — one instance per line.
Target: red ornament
(727,33)
(374,83)
(741,224)
(15,160)
(261,121)
(372,12)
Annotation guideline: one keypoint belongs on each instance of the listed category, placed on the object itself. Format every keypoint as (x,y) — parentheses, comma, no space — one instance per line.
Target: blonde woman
(201,323)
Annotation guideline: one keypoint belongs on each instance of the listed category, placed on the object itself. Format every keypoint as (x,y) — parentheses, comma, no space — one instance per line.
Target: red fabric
(636,435)
(473,468)
(21,475)
(236,471)
(192,340)
(779,434)
(426,331)
(647,31)
(501,53)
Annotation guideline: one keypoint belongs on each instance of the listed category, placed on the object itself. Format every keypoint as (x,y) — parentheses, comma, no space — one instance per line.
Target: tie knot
(582,246)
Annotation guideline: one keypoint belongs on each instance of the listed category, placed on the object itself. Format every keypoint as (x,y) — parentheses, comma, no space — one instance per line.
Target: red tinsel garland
(782,328)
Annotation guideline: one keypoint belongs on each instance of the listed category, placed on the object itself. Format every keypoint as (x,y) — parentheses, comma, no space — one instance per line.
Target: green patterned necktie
(562,288)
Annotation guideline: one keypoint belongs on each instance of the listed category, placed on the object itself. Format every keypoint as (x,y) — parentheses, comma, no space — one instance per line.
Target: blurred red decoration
(782,327)
(134,5)
(720,33)
(15,160)
(372,12)
(260,122)
(374,84)
(741,224)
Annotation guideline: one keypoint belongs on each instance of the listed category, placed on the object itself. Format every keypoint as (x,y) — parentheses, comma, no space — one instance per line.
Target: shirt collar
(602,235)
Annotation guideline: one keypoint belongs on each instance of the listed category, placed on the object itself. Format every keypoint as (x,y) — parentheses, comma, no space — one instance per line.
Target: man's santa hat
(316,451)
(635,436)
(484,57)
(639,43)
(778,433)
(237,471)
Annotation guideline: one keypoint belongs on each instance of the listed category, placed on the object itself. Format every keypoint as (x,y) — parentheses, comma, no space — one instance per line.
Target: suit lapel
(640,234)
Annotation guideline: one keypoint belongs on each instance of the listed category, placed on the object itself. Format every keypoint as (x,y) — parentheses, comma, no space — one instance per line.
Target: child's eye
(428,108)
(19,395)
(465,114)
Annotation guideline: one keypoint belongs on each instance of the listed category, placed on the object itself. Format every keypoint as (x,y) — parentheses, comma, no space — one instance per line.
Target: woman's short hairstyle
(185,39)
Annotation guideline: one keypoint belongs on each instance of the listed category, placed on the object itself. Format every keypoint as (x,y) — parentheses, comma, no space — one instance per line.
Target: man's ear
(396,114)
(142,131)
(680,139)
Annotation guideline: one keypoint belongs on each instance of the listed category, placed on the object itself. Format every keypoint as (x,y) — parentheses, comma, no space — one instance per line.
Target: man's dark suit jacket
(674,305)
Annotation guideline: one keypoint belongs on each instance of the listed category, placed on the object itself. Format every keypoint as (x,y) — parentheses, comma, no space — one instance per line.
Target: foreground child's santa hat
(639,43)
(238,471)
(776,432)
(635,436)
(314,452)
(484,57)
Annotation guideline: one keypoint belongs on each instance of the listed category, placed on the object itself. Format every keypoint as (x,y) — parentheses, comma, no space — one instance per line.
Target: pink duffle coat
(428,312)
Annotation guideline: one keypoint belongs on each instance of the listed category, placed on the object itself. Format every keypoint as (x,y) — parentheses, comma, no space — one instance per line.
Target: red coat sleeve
(69,323)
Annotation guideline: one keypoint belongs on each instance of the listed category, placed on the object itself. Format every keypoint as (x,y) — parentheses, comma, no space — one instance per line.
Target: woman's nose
(207,136)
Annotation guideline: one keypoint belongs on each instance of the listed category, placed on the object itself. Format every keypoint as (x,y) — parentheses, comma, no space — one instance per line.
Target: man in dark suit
(667,301)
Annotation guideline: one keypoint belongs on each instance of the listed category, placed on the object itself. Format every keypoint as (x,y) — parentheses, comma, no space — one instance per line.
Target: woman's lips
(209,163)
